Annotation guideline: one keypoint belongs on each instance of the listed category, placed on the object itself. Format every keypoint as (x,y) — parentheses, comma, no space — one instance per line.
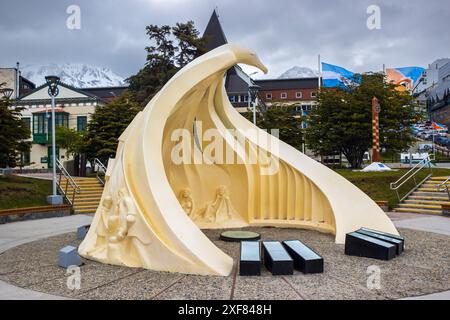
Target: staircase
(88,196)
(428,198)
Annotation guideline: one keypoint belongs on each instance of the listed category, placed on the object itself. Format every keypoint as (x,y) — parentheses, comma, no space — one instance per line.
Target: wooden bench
(276,258)
(250,258)
(357,244)
(305,259)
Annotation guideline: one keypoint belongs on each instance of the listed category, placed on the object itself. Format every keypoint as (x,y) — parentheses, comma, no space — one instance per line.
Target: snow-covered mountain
(74,74)
(298,72)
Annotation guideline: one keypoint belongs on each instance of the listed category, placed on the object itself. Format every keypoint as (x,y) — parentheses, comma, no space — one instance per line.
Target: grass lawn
(376,184)
(19,192)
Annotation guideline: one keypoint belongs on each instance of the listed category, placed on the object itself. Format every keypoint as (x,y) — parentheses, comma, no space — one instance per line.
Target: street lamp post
(52,82)
(252,92)
(6,93)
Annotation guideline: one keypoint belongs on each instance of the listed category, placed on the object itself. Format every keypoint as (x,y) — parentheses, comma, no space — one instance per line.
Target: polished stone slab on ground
(399,244)
(276,258)
(250,258)
(305,259)
(360,245)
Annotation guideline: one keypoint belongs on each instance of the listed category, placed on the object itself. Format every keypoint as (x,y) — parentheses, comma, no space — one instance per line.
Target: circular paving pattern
(422,269)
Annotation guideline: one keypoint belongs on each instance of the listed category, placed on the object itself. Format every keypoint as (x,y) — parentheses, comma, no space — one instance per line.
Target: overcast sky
(284,33)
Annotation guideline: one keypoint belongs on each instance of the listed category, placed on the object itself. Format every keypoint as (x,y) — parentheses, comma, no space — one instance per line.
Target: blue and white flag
(335,76)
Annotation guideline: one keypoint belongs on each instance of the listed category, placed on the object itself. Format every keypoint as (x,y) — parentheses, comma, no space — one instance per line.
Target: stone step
(438,178)
(431,194)
(420,206)
(413,197)
(429,190)
(88,199)
(424,211)
(427,202)
(85,211)
(79,203)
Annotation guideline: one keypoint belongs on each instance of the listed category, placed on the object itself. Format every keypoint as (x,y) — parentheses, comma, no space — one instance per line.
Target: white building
(74,108)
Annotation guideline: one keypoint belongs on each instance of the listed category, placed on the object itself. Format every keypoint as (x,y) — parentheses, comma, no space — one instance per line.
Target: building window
(298,94)
(62,120)
(269,96)
(313,94)
(232,98)
(284,95)
(245,98)
(81,123)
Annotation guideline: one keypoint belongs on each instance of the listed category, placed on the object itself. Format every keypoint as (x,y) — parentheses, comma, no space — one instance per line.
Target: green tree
(173,48)
(69,139)
(107,124)
(342,120)
(282,118)
(14,131)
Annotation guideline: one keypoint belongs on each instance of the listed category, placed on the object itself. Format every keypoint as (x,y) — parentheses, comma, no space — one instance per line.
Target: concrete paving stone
(93,275)
(199,288)
(320,287)
(36,275)
(263,288)
(140,286)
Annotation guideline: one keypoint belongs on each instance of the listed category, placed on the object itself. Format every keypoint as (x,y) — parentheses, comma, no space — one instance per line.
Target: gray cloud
(283,33)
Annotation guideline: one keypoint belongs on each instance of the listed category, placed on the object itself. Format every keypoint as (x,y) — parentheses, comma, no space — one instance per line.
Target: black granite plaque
(357,244)
(276,258)
(250,259)
(382,236)
(305,259)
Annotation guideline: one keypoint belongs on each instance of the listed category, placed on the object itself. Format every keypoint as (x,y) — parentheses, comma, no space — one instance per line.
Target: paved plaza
(28,270)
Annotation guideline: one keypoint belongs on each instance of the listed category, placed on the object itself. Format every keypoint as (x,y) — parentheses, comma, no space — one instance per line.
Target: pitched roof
(214,35)
(106,93)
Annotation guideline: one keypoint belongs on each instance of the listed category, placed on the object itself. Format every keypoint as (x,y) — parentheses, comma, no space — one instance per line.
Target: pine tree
(173,48)
(14,131)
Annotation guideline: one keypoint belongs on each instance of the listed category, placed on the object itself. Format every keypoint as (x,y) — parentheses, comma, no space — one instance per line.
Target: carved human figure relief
(221,208)
(186,201)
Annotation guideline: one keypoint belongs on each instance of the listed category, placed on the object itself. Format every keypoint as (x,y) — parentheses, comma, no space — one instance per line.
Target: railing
(64,184)
(101,171)
(411,174)
(444,186)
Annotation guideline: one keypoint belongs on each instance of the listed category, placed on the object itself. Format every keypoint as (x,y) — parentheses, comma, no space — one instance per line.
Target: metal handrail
(411,174)
(68,181)
(445,185)
(101,169)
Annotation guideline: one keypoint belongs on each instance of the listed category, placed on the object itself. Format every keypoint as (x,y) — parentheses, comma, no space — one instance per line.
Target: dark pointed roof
(214,35)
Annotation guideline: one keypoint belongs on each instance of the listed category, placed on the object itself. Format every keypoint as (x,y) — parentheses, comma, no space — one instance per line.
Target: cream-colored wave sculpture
(153,206)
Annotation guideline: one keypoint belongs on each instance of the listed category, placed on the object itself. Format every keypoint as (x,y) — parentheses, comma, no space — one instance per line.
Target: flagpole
(320,72)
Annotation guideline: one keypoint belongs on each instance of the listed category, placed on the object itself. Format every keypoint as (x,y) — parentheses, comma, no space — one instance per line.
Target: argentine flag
(334,76)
